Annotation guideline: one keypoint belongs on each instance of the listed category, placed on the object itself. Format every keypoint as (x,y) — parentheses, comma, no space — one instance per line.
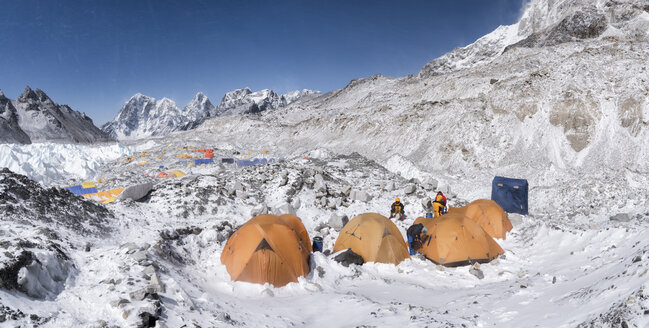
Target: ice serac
(10,131)
(34,117)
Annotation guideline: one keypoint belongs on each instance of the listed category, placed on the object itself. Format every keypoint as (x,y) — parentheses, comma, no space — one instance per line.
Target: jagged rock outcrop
(10,131)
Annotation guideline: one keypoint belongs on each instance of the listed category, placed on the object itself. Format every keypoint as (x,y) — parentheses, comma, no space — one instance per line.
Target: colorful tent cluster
(105,197)
(209,153)
(202,161)
(171,174)
(275,249)
(268,249)
(85,188)
(374,237)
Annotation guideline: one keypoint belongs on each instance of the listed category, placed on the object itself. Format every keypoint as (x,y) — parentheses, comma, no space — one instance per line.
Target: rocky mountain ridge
(565,88)
(143,116)
(34,117)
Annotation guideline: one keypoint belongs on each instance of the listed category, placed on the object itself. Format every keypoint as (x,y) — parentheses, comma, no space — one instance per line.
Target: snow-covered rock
(136,192)
(338,221)
(143,116)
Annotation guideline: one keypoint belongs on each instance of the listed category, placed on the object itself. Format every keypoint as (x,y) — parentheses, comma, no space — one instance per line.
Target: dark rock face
(584,24)
(349,257)
(22,199)
(10,131)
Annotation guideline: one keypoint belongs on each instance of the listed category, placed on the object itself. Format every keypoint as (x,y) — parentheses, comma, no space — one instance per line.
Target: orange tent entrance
(268,249)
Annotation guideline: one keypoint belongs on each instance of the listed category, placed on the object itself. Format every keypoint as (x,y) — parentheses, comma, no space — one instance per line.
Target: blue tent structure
(510,194)
(201,161)
(226,160)
(80,190)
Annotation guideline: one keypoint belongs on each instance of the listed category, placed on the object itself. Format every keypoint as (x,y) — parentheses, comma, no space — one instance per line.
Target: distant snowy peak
(548,23)
(34,117)
(296,95)
(244,101)
(142,116)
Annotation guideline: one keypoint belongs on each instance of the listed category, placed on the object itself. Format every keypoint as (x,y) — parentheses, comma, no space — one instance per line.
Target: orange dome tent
(489,215)
(454,240)
(268,249)
(374,237)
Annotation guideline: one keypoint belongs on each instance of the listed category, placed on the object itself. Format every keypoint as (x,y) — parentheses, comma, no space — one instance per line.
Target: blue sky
(94,55)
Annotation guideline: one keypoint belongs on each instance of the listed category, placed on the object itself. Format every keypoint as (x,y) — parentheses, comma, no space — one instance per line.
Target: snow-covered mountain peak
(200,100)
(2,95)
(34,117)
(548,23)
(293,96)
(235,95)
(143,116)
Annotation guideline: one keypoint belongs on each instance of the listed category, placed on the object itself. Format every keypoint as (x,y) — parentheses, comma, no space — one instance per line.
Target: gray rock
(621,217)
(346,191)
(319,184)
(515,218)
(296,203)
(410,188)
(429,184)
(259,210)
(148,271)
(283,180)
(120,303)
(138,295)
(323,201)
(338,202)
(349,257)
(475,270)
(138,256)
(129,247)
(338,221)
(360,195)
(285,208)
(155,284)
(389,186)
(136,192)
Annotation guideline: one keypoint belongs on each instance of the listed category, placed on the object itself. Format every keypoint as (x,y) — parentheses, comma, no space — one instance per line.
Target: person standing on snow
(397,209)
(439,205)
